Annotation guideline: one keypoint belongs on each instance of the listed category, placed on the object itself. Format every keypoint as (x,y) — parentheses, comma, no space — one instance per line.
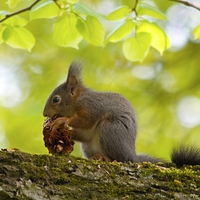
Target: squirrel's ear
(72,83)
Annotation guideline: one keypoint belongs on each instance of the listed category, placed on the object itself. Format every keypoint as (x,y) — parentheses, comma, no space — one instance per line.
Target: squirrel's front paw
(59,123)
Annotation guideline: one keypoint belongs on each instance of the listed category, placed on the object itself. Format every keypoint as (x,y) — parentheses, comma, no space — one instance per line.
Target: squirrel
(104,122)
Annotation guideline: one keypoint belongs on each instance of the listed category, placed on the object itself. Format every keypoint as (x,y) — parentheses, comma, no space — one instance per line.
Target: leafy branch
(20,11)
(135,31)
(186,3)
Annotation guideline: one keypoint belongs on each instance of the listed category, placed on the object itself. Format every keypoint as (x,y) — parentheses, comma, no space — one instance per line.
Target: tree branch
(186,3)
(20,11)
(27,176)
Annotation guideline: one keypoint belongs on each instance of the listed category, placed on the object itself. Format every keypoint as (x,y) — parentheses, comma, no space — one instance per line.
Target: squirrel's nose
(45,113)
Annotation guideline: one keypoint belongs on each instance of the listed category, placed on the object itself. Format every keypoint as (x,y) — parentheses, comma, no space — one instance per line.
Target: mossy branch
(27,176)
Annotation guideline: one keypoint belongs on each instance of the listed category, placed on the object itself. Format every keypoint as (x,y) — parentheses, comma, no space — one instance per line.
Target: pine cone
(57,136)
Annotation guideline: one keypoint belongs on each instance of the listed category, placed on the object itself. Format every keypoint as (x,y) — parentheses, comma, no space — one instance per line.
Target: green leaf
(149,10)
(65,33)
(2,28)
(129,3)
(121,31)
(12,3)
(160,40)
(18,37)
(119,13)
(137,48)
(92,30)
(72,1)
(196,32)
(83,9)
(45,10)
(15,21)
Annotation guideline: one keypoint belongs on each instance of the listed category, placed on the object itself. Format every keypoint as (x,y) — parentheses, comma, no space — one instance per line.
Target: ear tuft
(74,77)
(75,69)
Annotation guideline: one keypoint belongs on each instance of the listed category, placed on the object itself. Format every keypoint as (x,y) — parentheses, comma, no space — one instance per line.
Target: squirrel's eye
(56,99)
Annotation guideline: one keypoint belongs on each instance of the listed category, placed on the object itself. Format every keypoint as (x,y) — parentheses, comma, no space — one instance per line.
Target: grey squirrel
(104,123)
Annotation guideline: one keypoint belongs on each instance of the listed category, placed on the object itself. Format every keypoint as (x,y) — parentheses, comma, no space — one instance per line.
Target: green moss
(76,178)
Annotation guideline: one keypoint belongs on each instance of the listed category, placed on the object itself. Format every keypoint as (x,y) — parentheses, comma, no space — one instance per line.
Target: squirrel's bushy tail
(185,155)
(180,155)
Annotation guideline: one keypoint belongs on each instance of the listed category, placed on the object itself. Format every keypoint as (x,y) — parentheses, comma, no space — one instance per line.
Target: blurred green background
(164,90)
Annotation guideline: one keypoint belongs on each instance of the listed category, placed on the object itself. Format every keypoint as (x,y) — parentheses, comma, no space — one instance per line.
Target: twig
(20,11)
(186,3)
(134,8)
(57,4)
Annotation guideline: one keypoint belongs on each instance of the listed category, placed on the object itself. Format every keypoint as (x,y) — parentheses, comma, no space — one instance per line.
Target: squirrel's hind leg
(117,140)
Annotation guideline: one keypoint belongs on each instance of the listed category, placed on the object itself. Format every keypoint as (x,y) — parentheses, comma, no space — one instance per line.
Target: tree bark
(53,177)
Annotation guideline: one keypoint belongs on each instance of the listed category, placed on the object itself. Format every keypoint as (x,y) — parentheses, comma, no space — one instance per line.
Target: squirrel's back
(106,102)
